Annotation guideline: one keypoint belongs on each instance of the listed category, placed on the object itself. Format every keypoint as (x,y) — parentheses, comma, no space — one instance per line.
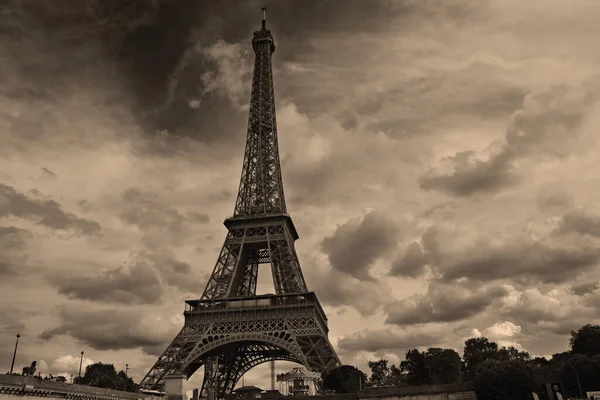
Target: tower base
(231,336)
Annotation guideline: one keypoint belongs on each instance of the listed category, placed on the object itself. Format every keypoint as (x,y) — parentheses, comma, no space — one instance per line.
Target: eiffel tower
(230,329)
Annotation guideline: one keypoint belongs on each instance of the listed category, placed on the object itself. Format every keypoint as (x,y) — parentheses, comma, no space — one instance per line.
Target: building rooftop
(244,389)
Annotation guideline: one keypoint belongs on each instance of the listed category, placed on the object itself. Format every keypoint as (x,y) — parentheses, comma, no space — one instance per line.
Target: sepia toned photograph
(300,199)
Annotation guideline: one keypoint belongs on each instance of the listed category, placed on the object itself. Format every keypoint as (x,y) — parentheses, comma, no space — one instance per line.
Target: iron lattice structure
(230,329)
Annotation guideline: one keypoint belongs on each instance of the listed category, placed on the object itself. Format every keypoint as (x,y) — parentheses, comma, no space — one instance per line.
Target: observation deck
(261,220)
(251,308)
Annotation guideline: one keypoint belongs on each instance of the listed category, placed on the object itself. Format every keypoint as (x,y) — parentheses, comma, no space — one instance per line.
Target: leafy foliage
(504,380)
(580,370)
(396,377)
(511,353)
(586,340)
(478,350)
(344,379)
(443,366)
(380,373)
(499,373)
(415,368)
(105,376)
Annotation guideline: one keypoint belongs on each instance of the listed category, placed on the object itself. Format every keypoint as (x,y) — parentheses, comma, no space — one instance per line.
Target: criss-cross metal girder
(230,329)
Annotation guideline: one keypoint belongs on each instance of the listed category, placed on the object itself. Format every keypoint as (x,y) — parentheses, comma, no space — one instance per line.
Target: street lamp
(15,353)
(80,363)
(126,369)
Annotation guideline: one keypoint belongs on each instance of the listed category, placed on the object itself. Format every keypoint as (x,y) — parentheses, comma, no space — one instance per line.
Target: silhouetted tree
(560,357)
(60,379)
(478,350)
(540,361)
(396,377)
(580,370)
(586,340)
(511,353)
(415,368)
(105,376)
(344,379)
(379,372)
(443,366)
(504,380)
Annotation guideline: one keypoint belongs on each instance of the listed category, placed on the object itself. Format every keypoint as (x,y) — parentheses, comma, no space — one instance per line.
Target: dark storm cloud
(471,175)
(163,228)
(142,282)
(112,329)
(581,222)
(148,46)
(45,212)
(11,237)
(138,285)
(12,246)
(150,213)
(198,217)
(554,199)
(356,245)
(11,322)
(145,210)
(388,339)
(177,273)
(555,259)
(338,289)
(411,264)
(535,309)
(547,125)
(585,288)
(442,303)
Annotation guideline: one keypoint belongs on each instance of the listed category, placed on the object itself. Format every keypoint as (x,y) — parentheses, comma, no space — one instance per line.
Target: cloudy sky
(439,160)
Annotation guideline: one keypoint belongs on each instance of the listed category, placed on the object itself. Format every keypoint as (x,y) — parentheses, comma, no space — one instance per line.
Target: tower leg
(210,376)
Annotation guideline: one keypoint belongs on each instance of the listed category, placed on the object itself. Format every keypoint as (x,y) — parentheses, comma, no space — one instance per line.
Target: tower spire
(264,18)
(261,188)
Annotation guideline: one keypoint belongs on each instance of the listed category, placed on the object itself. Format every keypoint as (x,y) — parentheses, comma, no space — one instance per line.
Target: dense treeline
(97,375)
(495,371)
(498,373)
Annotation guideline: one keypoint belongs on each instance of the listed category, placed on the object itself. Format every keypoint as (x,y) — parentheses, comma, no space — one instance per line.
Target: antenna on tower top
(264,18)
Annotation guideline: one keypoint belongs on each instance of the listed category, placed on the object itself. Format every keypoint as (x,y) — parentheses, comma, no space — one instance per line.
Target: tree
(379,373)
(511,353)
(580,370)
(396,377)
(586,340)
(61,379)
(478,350)
(382,375)
(344,379)
(105,376)
(415,368)
(558,358)
(540,361)
(443,366)
(124,382)
(504,380)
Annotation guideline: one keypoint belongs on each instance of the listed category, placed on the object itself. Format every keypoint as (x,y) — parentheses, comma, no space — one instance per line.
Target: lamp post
(80,364)
(15,353)
(579,384)
(126,369)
